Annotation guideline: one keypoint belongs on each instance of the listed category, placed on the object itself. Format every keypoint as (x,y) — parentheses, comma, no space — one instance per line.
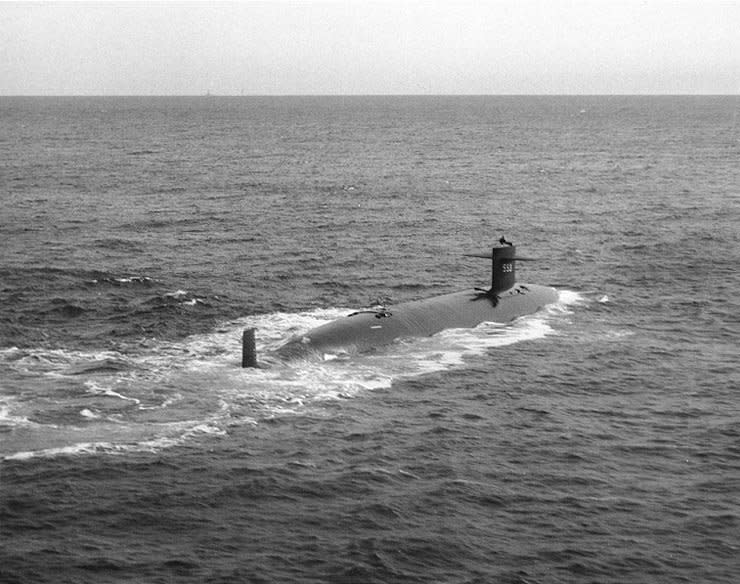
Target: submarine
(366,330)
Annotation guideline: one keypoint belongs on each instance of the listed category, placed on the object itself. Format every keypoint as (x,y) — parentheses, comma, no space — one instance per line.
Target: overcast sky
(370,47)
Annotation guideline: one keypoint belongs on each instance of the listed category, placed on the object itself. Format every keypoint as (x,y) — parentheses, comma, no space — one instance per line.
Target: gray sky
(370,47)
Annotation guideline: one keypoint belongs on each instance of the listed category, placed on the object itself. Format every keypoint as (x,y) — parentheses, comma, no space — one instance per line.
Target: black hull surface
(365,331)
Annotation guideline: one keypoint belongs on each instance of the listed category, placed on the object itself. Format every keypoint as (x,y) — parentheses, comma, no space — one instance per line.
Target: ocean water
(595,441)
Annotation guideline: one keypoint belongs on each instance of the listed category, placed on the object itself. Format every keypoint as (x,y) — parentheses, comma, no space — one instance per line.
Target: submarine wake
(157,395)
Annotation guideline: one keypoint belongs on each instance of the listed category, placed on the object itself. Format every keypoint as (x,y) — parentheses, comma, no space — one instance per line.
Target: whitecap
(97,389)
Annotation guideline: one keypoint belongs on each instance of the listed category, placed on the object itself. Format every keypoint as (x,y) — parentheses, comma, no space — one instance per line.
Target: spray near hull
(367,330)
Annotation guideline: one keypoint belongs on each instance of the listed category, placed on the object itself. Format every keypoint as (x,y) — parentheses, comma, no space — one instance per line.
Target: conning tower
(503,266)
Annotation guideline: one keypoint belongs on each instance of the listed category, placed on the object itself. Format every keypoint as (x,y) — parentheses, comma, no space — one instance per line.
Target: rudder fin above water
(249,348)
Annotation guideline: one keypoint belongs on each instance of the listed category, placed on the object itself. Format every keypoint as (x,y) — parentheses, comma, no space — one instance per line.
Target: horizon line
(232,95)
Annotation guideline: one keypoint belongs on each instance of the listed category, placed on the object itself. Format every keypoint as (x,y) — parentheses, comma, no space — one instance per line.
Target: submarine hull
(365,331)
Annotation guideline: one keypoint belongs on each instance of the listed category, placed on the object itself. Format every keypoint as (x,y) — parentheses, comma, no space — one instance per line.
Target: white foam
(56,362)
(81,448)
(9,419)
(169,440)
(566,300)
(183,390)
(131,279)
(96,389)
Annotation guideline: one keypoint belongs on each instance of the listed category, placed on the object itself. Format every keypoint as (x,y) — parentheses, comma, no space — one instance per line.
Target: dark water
(597,441)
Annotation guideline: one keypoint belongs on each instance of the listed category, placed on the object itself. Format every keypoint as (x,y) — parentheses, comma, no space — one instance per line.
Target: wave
(156,394)
(105,447)
(123,280)
(120,244)
(28,276)
(64,309)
